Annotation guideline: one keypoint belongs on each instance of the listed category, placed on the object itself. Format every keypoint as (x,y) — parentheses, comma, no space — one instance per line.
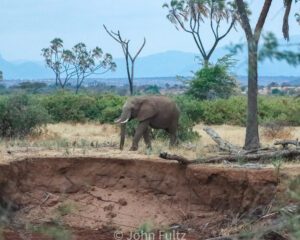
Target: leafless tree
(129,58)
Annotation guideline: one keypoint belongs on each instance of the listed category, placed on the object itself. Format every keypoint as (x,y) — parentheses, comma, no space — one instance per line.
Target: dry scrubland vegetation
(82,124)
(70,139)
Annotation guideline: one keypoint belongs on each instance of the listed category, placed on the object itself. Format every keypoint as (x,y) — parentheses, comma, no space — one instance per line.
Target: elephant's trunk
(125,116)
(123,119)
(122,138)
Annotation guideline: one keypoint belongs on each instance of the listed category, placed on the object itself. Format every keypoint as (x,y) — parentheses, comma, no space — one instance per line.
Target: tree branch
(262,19)
(139,51)
(244,18)
(285,25)
(113,35)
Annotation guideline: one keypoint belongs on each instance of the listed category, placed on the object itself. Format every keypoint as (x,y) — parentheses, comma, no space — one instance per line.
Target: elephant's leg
(139,132)
(147,139)
(173,136)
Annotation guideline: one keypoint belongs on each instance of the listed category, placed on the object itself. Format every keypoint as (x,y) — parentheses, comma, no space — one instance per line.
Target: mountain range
(165,64)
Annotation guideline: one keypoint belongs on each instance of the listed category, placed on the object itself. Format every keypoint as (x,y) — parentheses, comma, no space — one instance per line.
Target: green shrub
(285,110)
(213,81)
(63,106)
(221,111)
(109,107)
(21,115)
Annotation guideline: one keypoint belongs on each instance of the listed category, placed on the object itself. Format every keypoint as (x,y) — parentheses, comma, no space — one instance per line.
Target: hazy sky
(27,26)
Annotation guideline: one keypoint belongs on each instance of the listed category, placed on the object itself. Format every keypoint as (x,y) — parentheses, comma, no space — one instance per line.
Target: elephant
(158,112)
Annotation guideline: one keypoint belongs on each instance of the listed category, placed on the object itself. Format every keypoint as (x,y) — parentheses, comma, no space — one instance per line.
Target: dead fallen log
(287,154)
(237,153)
(223,144)
(180,159)
(285,143)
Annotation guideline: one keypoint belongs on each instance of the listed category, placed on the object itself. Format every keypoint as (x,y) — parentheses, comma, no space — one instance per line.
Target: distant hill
(166,64)
(24,70)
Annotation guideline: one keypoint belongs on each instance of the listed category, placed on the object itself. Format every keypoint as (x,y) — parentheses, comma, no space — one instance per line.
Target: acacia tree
(129,58)
(189,15)
(52,56)
(89,62)
(59,61)
(78,63)
(253,37)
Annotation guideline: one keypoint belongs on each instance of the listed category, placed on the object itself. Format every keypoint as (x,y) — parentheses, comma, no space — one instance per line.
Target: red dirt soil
(95,196)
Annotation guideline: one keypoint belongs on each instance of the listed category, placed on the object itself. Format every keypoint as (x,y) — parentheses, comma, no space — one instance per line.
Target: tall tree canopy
(190,15)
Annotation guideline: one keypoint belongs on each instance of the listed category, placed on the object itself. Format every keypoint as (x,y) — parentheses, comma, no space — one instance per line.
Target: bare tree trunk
(205,61)
(252,136)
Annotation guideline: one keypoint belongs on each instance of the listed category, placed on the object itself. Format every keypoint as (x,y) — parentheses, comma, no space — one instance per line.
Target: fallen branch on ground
(285,143)
(237,153)
(223,144)
(289,154)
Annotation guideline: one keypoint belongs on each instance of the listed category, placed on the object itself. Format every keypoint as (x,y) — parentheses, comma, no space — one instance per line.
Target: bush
(20,115)
(274,130)
(191,112)
(213,81)
(64,106)
(109,107)
(285,110)
(221,111)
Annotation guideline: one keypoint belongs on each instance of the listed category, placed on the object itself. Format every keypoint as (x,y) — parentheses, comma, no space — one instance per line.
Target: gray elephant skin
(158,112)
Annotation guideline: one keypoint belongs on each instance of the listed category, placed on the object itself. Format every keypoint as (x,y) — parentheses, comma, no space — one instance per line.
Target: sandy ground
(93,139)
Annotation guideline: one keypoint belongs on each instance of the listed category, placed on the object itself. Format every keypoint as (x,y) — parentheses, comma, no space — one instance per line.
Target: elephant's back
(163,102)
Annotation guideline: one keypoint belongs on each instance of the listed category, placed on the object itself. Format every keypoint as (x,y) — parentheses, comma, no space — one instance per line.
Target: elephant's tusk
(117,120)
(125,121)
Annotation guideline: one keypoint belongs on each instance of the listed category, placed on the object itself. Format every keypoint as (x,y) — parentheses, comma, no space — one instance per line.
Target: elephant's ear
(147,110)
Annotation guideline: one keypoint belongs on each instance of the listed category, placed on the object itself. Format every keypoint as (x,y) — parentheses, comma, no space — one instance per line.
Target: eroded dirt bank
(100,195)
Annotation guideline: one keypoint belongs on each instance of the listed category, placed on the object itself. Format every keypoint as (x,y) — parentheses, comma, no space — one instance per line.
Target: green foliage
(221,111)
(109,107)
(192,15)
(64,106)
(285,110)
(152,89)
(146,227)
(191,112)
(30,87)
(21,115)
(271,50)
(213,81)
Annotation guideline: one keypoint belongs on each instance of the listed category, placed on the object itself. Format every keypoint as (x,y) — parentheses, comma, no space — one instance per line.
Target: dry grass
(80,139)
(88,131)
(277,131)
